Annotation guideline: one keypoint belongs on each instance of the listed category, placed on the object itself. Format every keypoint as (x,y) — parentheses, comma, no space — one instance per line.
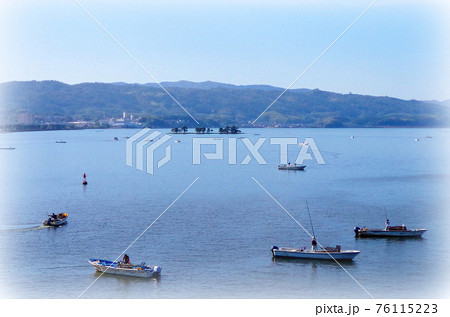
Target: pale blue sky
(398,48)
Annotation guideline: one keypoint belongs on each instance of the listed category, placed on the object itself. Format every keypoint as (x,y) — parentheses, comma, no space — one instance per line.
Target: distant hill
(218,104)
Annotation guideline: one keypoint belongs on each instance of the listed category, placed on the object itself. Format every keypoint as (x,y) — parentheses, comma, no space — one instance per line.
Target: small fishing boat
(84,179)
(395,231)
(127,269)
(328,253)
(56,220)
(294,167)
(61,141)
(177,141)
(314,253)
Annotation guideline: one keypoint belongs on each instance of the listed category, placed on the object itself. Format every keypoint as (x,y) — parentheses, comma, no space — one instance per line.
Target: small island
(201,130)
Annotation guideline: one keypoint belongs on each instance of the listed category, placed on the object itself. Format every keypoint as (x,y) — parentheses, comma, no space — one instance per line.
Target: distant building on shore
(25,118)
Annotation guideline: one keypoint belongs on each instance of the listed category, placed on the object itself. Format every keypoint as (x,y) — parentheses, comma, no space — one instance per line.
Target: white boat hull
(135,271)
(390,233)
(347,255)
(56,222)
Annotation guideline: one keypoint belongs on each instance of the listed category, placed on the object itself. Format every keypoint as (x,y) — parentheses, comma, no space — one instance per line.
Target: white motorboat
(397,231)
(56,220)
(127,269)
(328,253)
(325,253)
(291,167)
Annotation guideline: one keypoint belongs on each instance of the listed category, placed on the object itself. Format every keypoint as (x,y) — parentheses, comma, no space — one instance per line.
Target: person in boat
(84,175)
(313,244)
(126,259)
(54,216)
(387,224)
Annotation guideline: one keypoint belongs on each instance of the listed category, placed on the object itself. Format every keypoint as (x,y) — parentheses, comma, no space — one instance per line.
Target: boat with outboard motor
(56,220)
(127,269)
(327,253)
(314,253)
(395,231)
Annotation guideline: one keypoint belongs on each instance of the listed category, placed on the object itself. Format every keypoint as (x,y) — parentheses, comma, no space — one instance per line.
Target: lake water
(214,242)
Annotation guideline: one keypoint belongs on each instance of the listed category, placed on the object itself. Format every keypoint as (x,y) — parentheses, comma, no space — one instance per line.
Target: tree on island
(229,130)
(175,130)
(234,130)
(184,129)
(200,130)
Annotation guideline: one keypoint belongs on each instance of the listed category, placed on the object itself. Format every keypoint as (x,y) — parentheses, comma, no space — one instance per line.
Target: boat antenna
(385,214)
(312,227)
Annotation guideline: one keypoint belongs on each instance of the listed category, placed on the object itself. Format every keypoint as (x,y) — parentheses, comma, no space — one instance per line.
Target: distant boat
(396,231)
(56,220)
(177,141)
(116,138)
(61,141)
(416,139)
(7,148)
(84,179)
(291,167)
(127,269)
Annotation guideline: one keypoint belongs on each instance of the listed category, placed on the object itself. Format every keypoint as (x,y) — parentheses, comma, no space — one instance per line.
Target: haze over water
(215,241)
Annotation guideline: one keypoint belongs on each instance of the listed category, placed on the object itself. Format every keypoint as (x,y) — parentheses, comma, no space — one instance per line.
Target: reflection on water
(313,263)
(128,280)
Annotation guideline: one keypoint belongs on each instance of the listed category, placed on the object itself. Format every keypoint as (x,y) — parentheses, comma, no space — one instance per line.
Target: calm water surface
(215,241)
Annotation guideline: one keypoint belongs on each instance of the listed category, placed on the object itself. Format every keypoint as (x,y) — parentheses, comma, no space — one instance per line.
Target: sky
(397,48)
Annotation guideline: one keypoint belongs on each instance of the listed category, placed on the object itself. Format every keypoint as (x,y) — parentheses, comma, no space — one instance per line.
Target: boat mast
(312,227)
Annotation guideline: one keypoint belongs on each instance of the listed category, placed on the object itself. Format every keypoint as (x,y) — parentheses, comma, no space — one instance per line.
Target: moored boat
(328,253)
(56,220)
(396,231)
(294,167)
(126,269)
(314,253)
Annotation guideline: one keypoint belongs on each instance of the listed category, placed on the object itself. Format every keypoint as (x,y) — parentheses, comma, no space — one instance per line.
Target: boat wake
(27,227)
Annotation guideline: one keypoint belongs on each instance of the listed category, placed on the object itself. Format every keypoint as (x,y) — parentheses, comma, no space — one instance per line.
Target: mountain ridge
(217,104)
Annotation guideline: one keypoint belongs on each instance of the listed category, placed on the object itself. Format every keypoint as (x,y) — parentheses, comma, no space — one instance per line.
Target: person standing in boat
(387,224)
(126,259)
(313,244)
